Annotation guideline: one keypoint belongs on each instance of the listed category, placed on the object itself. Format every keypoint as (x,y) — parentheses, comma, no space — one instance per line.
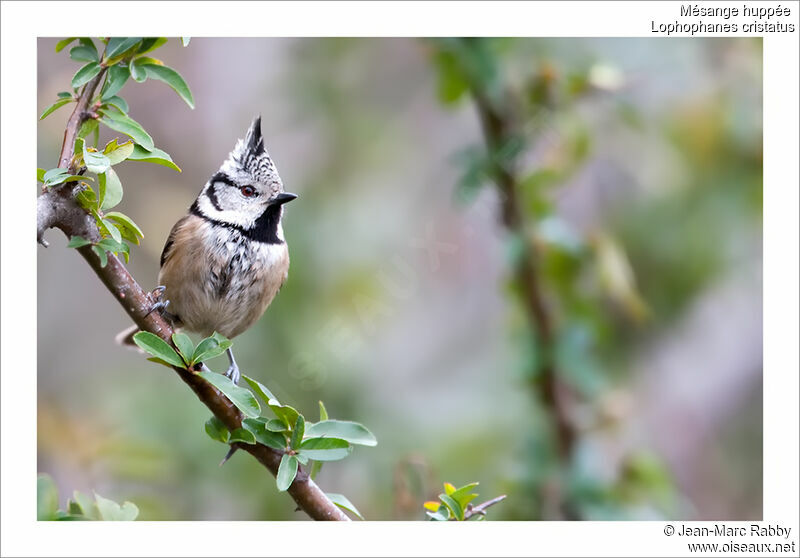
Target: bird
(226,259)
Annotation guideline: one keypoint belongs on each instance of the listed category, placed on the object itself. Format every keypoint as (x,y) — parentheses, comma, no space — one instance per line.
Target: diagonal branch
(58,208)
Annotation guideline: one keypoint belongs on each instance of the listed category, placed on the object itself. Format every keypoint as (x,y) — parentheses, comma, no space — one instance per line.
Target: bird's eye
(248,191)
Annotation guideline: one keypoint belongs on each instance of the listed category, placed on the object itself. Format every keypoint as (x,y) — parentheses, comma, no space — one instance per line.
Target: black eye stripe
(224,178)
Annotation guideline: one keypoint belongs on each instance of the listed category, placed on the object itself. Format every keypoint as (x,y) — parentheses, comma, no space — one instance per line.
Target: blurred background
(640,177)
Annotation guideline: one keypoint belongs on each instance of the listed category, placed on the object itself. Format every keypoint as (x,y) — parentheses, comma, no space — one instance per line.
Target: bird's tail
(125,337)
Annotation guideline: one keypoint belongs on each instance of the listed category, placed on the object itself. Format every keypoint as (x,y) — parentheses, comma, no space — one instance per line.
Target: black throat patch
(264,230)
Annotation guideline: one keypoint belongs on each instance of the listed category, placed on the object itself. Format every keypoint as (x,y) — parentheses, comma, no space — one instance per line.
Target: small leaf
(171,78)
(64,42)
(264,436)
(138,73)
(342,501)
(112,229)
(432,506)
(127,225)
(116,78)
(111,245)
(154,345)
(119,153)
(464,495)
(260,390)
(118,102)
(453,506)
(126,125)
(111,511)
(209,348)
(120,45)
(185,41)
(95,161)
(101,254)
(84,53)
(154,155)
(449,488)
(185,346)
(64,95)
(85,74)
(217,430)
(55,106)
(353,432)
(151,43)
(86,504)
(323,412)
(276,425)
(325,449)
(442,515)
(286,413)
(112,194)
(77,242)
(40,175)
(297,431)
(287,470)
(46,498)
(242,435)
(239,396)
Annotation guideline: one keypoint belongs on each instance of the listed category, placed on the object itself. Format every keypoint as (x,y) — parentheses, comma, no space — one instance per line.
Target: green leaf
(185,41)
(443,514)
(111,245)
(111,511)
(171,78)
(464,495)
(85,74)
(261,390)
(154,345)
(77,242)
(86,128)
(154,155)
(86,504)
(118,153)
(287,470)
(118,102)
(151,43)
(453,506)
(276,425)
(325,449)
(128,126)
(86,198)
(64,95)
(64,42)
(118,46)
(55,106)
(239,396)
(263,435)
(55,176)
(209,348)
(112,230)
(116,78)
(242,435)
(46,498)
(217,430)
(84,53)
(286,413)
(95,162)
(73,508)
(353,432)
(40,175)
(138,72)
(101,254)
(342,501)
(185,346)
(449,488)
(323,412)
(298,430)
(130,230)
(110,193)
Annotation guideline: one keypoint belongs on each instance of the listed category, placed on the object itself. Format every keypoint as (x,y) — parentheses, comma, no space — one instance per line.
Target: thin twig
(480,509)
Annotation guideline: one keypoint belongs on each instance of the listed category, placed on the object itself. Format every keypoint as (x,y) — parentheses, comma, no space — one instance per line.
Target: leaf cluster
(453,504)
(283,429)
(80,507)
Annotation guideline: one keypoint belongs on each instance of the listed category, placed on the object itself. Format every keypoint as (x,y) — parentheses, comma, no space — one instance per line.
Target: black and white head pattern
(241,190)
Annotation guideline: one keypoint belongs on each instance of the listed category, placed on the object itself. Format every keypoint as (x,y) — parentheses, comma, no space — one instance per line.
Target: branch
(498,128)
(480,509)
(57,208)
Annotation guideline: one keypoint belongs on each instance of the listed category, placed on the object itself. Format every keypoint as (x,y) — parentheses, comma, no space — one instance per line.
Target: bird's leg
(160,305)
(233,370)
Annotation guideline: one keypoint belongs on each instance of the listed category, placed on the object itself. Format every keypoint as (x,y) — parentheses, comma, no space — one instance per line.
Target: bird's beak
(282,198)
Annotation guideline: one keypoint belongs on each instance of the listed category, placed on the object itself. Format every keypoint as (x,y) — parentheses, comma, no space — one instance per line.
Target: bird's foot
(159,305)
(233,373)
